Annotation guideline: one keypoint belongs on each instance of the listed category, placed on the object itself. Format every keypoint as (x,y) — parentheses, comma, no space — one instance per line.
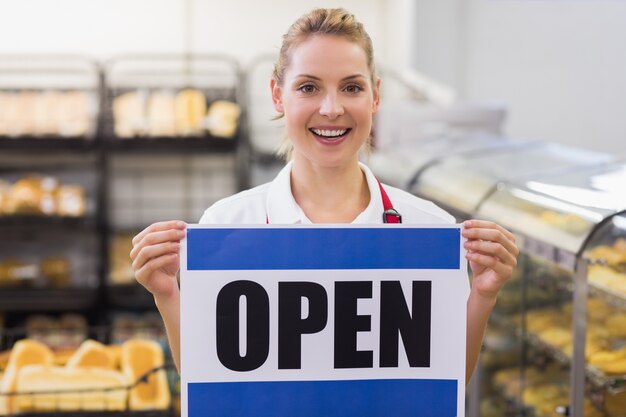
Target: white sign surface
(323,321)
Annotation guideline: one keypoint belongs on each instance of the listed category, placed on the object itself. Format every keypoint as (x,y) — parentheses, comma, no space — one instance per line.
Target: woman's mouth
(330,135)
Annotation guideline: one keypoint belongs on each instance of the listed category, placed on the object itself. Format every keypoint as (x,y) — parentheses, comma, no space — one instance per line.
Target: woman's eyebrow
(349,77)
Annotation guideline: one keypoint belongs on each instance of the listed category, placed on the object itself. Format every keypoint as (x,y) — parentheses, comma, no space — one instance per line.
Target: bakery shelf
(132,296)
(47,144)
(177,144)
(596,377)
(608,295)
(47,222)
(47,299)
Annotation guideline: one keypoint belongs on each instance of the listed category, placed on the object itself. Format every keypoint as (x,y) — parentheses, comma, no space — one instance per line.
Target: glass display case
(570,318)
(459,183)
(400,166)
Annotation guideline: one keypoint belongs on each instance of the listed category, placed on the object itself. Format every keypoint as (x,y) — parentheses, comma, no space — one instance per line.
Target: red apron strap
(390,215)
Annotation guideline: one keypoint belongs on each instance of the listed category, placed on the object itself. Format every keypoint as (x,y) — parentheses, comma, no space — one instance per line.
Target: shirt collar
(283,209)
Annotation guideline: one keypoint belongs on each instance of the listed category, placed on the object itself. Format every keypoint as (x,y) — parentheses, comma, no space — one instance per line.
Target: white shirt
(274,201)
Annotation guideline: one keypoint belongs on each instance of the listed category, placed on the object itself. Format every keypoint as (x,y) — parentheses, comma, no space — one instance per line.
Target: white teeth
(330,133)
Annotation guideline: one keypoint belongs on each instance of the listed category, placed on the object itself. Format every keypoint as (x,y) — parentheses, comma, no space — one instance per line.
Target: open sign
(334,321)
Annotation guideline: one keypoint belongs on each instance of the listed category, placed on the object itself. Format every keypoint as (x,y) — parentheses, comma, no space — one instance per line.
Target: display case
(571,227)
(400,166)
(460,183)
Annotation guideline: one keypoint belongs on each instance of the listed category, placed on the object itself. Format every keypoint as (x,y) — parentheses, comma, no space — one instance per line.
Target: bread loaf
(129,114)
(25,352)
(102,389)
(190,108)
(139,357)
(161,119)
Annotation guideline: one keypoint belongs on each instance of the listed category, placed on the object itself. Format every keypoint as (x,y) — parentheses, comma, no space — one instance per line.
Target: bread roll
(74,114)
(25,352)
(56,270)
(91,354)
(5,105)
(138,357)
(222,118)
(190,108)
(71,200)
(32,195)
(129,114)
(161,120)
(98,386)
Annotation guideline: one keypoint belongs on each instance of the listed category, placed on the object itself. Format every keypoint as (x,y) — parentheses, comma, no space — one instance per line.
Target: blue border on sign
(362,398)
(322,248)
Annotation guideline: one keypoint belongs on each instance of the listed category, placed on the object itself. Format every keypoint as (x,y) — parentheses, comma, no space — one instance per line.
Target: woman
(325,86)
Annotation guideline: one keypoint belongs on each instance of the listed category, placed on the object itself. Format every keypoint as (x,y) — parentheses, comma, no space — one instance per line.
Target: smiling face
(328,100)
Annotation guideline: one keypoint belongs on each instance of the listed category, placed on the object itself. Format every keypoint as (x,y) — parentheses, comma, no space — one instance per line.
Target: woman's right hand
(156,257)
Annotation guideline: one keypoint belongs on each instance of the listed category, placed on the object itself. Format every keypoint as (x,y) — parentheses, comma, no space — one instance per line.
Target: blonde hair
(332,22)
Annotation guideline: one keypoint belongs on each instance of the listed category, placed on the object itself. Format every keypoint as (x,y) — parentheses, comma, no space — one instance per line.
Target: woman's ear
(277,96)
(376,92)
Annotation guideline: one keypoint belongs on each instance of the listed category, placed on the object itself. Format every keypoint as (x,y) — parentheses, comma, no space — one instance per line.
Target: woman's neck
(330,195)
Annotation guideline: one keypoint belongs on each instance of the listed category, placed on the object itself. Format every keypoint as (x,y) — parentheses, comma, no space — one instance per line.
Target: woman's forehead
(328,55)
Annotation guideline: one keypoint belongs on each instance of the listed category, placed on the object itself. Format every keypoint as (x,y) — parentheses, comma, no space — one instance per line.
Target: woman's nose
(331,106)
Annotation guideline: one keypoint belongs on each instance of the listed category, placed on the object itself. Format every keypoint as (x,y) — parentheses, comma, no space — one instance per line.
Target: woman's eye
(353,88)
(307,88)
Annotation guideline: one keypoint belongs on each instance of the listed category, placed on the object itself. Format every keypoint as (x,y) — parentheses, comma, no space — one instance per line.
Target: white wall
(105,28)
(560,64)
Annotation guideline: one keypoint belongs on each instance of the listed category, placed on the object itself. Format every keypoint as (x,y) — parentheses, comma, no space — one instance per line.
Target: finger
(145,272)
(155,238)
(493,235)
(501,269)
(485,224)
(159,226)
(492,249)
(154,251)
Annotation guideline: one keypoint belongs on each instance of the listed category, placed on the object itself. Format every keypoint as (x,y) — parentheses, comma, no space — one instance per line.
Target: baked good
(5,105)
(139,356)
(161,120)
(91,354)
(14,272)
(25,352)
(98,388)
(71,200)
(74,114)
(45,112)
(5,187)
(121,271)
(57,270)
(32,195)
(129,114)
(190,108)
(222,118)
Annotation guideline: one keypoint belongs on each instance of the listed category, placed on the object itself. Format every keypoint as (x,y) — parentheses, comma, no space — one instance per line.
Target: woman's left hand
(492,254)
